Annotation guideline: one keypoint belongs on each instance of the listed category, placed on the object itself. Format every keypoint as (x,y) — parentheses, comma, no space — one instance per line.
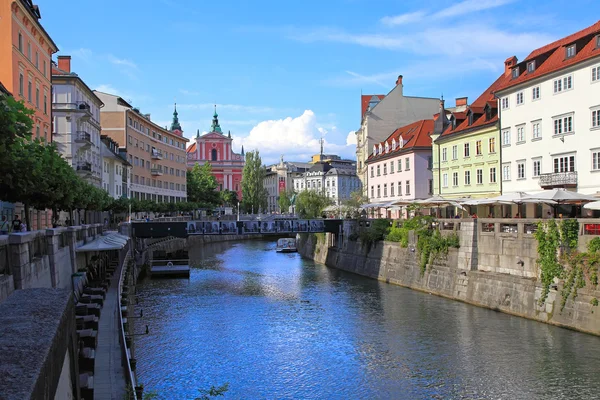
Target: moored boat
(286,245)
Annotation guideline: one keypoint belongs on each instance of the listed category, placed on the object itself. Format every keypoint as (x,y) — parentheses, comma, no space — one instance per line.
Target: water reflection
(277,326)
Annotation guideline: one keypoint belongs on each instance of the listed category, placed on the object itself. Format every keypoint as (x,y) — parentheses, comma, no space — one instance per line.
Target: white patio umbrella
(595,205)
(562,196)
(438,201)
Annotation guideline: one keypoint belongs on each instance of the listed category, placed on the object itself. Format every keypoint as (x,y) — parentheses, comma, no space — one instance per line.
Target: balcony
(157,155)
(156,172)
(83,138)
(558,180)
(84,168)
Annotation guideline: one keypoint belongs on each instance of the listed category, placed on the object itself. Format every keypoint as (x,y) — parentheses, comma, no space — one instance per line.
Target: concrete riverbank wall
(496,270)
(42,259)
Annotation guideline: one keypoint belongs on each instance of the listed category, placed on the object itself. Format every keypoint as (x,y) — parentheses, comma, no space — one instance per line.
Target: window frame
(536,167)
(535,93)
(479,176)
(520,98)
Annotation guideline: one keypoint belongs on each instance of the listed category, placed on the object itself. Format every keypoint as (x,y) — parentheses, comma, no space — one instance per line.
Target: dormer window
(387,147)
(470,118)
(400,142)
(531,67)
(598,42)
(515,73)
(380,148)
(571,51)
(393,144)
(374,150)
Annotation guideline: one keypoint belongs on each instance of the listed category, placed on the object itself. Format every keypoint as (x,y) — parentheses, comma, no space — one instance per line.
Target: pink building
(216,148)
(400,168)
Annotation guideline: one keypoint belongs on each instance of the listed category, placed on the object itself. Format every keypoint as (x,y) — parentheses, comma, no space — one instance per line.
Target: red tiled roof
(192,148)
(478,107)
(556,54)
(414,135)
(365,99)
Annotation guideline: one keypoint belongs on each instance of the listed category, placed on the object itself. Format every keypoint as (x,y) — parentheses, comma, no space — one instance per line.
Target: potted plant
(139,391)
(133,363)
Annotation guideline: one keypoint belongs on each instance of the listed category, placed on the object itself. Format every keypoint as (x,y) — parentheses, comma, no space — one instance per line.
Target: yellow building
(466,156)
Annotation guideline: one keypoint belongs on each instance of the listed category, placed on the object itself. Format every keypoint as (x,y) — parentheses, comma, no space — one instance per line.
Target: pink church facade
(216,148)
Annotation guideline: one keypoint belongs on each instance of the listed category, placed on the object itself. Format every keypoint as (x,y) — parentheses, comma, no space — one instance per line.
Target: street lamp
(238,213)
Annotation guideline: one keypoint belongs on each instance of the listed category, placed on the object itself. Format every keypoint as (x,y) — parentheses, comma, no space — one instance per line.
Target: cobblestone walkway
(109,380)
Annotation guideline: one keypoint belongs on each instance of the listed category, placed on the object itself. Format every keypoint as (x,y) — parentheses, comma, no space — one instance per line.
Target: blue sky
(284,73)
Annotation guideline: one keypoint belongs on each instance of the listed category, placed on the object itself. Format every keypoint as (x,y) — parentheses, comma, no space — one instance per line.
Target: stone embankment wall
(490,269)
(42,259)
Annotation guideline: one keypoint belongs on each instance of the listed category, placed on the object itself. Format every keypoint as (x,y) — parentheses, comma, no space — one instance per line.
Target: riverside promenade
(109,378)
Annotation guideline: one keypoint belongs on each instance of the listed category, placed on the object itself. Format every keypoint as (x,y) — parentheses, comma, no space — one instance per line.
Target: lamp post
(238,213)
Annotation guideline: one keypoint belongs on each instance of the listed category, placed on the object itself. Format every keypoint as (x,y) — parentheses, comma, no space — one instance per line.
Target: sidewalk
(109,379)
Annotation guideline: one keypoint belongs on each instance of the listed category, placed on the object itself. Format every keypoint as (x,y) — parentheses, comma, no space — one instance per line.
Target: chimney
(64,63)
(508,64)
(399,80)
(461,101)
(147,116)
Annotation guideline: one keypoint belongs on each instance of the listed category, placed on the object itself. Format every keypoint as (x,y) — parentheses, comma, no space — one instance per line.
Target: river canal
(276,326)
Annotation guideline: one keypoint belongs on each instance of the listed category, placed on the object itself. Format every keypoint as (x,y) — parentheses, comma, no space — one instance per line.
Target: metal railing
(130,377)
(156,171)
(558,179)
(84,166)
(83,136)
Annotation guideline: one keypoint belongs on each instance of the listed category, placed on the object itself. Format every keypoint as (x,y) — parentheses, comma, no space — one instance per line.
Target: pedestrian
(4,226)
(16,224)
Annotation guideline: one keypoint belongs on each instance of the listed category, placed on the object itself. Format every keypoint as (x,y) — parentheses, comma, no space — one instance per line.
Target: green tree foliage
(202,186)
(254,194)
(229,198)
(310,204)
(285,201)
(351,207)
(15,125)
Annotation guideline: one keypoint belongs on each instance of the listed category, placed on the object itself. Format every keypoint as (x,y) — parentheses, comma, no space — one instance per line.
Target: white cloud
(403,18)
(469,6)
(455,10)
(297,138)
(189,92)
(122,62)
(467,39)
(351,139)
(83,54)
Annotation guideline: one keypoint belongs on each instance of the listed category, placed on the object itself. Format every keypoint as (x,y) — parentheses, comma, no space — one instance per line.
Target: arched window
(213,155)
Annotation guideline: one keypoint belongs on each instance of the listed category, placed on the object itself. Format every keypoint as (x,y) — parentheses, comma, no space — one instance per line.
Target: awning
(112,241)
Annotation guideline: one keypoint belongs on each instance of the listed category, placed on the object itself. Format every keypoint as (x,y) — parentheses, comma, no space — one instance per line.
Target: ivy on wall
(558,258)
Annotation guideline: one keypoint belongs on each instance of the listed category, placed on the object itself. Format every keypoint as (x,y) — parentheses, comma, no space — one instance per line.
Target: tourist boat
(286,245)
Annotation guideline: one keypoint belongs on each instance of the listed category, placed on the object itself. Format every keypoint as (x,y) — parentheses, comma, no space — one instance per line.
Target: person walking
(4,226)
(16,224)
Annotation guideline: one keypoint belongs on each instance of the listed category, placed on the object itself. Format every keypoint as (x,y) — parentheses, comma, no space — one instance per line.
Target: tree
(285,201)
(351,207)
(15,126)
(254,194)
(310,204)
(229,198)
(202,186)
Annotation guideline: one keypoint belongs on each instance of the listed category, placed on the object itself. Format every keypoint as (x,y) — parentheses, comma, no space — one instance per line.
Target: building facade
(217,149)
(466,155)
(157,154)
(279,179)
(382,115)
(400,167)
(335,178)
(76,122)
(550,117)
(25,56)
(26,52)
(116,169)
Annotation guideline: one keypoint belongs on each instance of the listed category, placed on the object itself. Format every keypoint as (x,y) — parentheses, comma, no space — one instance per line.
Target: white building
(383,114)
(335,182)
(76,122)
(550,117)
(115,170)
(280,178)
